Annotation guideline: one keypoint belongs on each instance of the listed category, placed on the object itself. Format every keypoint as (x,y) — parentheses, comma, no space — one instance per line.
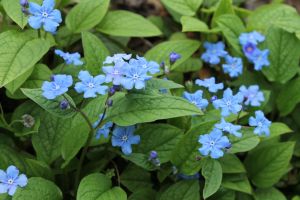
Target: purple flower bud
(24,3)
(111,91)
(117,88)
(109,102)
(153,155)
(162,65)
(25,11)
(52,77)
(174,57)
(213,98)
(64,104)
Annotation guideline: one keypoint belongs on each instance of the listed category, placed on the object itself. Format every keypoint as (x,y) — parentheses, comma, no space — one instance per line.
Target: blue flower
(213,144)
(120,57)
(58,86)
(151,67)
(90,85)
(45,16)
(196,98)
(174,57)
(210,83)
(260,59)
(229,103)
(11,180)
(115,73)
(213,53)
(253,96)
(253,37)
(233,66)
(135,77)
(123,137)
(70,58)
(229,128)
(261,123)
(249,49)
(104,130)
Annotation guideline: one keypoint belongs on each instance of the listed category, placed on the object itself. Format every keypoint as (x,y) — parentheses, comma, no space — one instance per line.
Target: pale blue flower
(233,66)
(260,59)
(213,144)
(90,86)
(229,128)
(214,52)
(58,86)
(229,103)
(253,96)
(11,180)
(123,137)
(261,123)
(151,66)
(120,57)
(210,84)
(196,98)
(45,16)
(115,73)
(135,77)
(104,130)
(253,37)
(70,58)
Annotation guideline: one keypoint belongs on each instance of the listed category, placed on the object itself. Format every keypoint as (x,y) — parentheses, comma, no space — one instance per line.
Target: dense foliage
(197,102)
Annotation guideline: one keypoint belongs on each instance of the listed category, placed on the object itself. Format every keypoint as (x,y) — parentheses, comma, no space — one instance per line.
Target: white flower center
(10,181)
(91,85)
(124,138)
(44,14)
(135,76)
(144,66)
(212,143)
(56,86)
(228,103)
(116,72)
(259,124)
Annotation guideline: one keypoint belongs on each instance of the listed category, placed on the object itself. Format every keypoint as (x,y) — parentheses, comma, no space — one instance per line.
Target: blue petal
(126,149)
(12,172)
(49,4)
(12,189)
(56,16)
(35,22)
(3,188)
(50,25)
(34,8)
(21,180)
(3,176)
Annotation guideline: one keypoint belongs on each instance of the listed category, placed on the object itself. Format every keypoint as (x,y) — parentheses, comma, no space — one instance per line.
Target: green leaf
(277,129)
(231,164)
(183,7)
(268,194)
(48,141)
(232,26)
(260,18)
(247,142)
(145,194)
(52,106)
(185,154)
(140,160)
(86,15)
(268,163)
(95,52)
(128,24)
(158,84)
(14,10)
(98,187)
(37,189)
(290,24)
(284,55)
(288,97)
(18,53)
(224,7)
(190,65)
(161,138)
(192,24)
(139,108)
(161,52)
(237,183)
(135,178)
(187,190)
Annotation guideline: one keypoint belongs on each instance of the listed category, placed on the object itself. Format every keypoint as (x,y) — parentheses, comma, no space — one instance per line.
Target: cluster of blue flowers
(10,180)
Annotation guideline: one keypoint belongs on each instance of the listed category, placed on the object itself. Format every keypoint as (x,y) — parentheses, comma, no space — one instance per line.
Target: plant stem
(117,172)
(238,117)
(39,33)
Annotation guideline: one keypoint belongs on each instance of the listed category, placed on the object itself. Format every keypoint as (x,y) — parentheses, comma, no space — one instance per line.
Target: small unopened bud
(162,65)
(117,88)
(28,121)
(153,155)
(109,102)
(213,98)
(25,11)
(174,57)
(24,3)
(111,91)
(52,77)
(64,104)
(189,85)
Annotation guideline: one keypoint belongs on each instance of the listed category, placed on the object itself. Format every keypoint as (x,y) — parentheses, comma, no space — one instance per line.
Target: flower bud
(64,104)
(28,121)
(24,3)
(174,57)
(52,77)
(213,98)
(111,91)
(109,102)
(153,155)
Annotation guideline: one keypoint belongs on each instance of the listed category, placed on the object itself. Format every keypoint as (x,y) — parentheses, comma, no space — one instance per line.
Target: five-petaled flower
(120,57)
(123,137)
(233,66)
(135,77)
(90,86)
(213,144)
(229,128)
(214,52)
(196,98)
(104,130)
(261,123)
(229,103)
(11,180)
(69,58)
(151,66)
(210,84)
(58,86)
(252,95)
(45,16)
(114,73)
(253,37)
(260,59)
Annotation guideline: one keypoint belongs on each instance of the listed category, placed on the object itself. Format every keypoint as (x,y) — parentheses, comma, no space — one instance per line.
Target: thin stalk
(117,172)
(39,33)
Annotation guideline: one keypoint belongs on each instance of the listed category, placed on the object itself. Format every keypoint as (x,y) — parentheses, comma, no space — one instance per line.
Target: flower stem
(39,33)
(238,117)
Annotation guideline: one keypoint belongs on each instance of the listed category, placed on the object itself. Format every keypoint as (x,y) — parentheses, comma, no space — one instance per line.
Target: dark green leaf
(187,190)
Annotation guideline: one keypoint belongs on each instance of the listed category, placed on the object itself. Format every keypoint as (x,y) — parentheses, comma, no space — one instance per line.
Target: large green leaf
(231,164)
(139,108)
(86,15)
(161,52)
(37,189)
(192,24)
(183,7)
(238,183)
(19,51)
(14,10)
(268,194)
(52,106)
(161,138)
(99,187)
(247,142)
(290,24)
(128,24)
(223,7)
(212,172)
(284,55)
(268,163)
(95,52)
(187,190)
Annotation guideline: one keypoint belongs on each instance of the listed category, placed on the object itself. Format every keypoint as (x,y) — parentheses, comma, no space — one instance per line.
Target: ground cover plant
(149,100)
